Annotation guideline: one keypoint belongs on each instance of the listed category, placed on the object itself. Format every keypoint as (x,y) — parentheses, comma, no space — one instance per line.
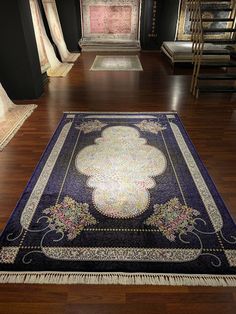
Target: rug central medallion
(121,166)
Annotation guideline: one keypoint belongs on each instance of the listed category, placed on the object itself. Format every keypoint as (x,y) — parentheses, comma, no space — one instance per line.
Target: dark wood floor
(211,124)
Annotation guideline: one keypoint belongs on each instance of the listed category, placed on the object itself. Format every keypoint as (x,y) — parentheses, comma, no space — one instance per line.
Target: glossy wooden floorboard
(211,124)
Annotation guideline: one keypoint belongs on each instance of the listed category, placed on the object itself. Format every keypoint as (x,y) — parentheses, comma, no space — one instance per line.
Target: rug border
(115,278)
(32,175)
(113,70)
(206,171)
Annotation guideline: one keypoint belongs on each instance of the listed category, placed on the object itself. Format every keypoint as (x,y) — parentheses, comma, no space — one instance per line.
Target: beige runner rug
(11,117)
(15,117)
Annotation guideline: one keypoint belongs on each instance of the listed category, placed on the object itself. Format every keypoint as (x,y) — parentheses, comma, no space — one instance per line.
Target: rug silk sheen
(120,198)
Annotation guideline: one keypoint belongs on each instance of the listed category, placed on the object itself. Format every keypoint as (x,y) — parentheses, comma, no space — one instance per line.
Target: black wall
(158,22)
(167,20)
(20,72)
(69,13)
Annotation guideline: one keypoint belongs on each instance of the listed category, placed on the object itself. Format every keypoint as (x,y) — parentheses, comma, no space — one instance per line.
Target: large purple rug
(120,198)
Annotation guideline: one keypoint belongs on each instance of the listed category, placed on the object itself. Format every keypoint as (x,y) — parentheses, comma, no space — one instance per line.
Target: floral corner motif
(69,217)
(91,126)
(172,218)
(150,126)
(8,254)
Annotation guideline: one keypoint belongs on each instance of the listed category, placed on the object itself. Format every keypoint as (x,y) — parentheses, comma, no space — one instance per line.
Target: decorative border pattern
(231,257)
(35,196)
(8,254)
(203,190)
(122,254)
(114,116)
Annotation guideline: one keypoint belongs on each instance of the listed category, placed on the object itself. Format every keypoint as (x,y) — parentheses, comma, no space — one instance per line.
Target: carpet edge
(66,278)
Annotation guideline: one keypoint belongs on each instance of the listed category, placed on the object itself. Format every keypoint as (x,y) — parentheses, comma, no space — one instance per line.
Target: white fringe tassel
(70,278)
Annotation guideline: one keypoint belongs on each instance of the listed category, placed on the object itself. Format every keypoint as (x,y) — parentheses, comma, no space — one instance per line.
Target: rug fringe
(118,279)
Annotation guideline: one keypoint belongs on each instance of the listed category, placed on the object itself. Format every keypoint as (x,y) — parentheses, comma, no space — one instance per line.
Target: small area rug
(13,120)
(116,63)
(61,70)
(120,198)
